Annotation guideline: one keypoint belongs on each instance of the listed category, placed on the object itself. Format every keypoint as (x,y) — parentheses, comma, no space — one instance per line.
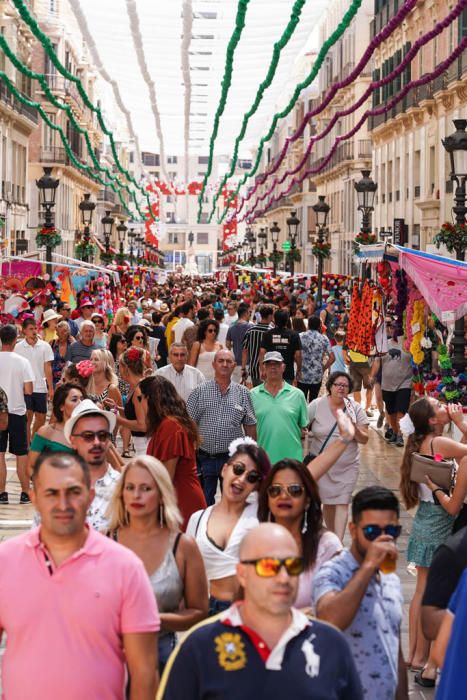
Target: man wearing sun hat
(89,431)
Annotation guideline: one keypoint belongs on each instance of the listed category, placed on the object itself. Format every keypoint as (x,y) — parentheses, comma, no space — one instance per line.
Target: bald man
(262,647)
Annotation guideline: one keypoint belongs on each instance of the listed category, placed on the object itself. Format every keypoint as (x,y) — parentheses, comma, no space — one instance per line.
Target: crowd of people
(193,465)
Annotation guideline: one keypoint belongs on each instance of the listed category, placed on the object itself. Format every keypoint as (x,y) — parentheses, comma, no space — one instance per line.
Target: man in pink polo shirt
(75,606)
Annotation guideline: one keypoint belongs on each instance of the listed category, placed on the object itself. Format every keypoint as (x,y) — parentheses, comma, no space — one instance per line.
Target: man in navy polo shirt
(262,647)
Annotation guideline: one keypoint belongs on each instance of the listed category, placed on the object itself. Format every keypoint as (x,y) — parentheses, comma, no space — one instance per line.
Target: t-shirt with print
(286,342)
(314,346)
(397,372)
(374,632)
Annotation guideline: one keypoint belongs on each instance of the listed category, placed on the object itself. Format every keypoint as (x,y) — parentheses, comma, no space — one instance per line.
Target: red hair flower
(85,368)
(133,354)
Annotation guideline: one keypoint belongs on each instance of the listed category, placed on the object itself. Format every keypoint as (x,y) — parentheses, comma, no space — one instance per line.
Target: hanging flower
(85,250)
(49,237)
(453,236)
(321,249)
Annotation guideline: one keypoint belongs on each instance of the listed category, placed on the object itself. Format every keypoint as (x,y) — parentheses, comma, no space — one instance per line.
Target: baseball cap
(272,356)
(88,408)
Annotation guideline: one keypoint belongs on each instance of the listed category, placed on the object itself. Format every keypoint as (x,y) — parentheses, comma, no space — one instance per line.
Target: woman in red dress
(173,440)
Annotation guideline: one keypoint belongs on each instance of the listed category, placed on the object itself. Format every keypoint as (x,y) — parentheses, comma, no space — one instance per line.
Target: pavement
(380,464)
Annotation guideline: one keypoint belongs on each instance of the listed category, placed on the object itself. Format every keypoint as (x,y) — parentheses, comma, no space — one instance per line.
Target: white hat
(144,322)
(49,315)
(87,408)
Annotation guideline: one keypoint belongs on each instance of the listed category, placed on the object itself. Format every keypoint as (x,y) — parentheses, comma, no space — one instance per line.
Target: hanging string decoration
(335,36)
(276,54)
(50,51)
(143,66)
(381,37)
(401,302)
(225,87)
(254,213)
(98,64)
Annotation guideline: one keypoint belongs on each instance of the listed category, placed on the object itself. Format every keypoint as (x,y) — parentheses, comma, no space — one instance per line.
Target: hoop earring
(305,523)
(161,515)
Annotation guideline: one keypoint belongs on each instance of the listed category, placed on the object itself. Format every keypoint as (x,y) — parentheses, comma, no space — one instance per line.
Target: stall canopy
(442,281)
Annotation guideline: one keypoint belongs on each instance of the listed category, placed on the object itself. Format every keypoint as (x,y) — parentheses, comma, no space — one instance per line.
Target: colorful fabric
(442,281)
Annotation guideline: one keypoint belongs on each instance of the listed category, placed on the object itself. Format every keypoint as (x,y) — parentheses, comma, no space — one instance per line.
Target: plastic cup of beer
(389,564)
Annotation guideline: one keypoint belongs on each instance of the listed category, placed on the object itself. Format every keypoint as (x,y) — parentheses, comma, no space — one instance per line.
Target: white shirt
(180,328)
(37,354)
(103,489)
(14,371)
(223,328)
(184,382)
(230,320)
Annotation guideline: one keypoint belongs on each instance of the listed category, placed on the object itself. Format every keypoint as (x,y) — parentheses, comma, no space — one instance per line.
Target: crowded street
(233,349)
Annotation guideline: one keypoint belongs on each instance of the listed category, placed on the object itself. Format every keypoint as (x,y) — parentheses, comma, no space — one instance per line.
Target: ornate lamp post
(107,222)
(456,146)
(252,248)
(263,243)
(366,191)
(293,222)
(86,207)
(245,246)
(47,186)
(132,236)
(121,231)
(321,209)
(275,231)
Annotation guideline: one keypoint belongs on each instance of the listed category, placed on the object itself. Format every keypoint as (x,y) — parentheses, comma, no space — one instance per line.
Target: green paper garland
(335,36)
(49,49)
(226,82)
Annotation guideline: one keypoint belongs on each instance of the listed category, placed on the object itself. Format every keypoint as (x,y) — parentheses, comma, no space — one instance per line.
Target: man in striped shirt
(252,345)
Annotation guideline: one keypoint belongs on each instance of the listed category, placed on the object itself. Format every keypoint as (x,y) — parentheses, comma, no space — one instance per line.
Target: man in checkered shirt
(223,411)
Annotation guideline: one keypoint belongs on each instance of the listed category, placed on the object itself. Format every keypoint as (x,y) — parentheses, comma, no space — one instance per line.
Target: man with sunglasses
(64,309)
(261,647)
(359,592)
(89,432)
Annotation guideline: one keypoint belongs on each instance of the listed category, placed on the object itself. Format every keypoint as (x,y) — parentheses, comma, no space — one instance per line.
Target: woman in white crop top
(219,529)
(433,522)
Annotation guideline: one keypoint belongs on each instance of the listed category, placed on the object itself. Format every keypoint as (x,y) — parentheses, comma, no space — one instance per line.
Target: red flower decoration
(133,354)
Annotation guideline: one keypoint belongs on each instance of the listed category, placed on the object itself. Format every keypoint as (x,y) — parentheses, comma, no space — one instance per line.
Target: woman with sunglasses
(132,415)
(337,484)
(289,496)
(173,439)
(137,336)
(100,337)
(205,347)
(435,514)
(51,437)
(219,529)
(144,517)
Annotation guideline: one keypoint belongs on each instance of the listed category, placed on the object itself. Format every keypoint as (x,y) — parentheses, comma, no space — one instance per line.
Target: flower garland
(85,250)
(322,250)
(453,236)
(276,257)
(294,255)
(49,237)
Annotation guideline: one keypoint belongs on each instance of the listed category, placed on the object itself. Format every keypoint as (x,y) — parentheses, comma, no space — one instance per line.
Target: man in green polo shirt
(281,412)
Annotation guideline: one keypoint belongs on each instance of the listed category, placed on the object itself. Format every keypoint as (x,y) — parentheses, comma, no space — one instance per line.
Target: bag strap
(176,543)
(199,520)
(329,435)
(197,355)
(431,447)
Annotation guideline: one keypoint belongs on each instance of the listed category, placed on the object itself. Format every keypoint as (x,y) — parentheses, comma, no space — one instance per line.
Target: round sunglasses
(294,490)
(239,469)
(372,532)
(267,567)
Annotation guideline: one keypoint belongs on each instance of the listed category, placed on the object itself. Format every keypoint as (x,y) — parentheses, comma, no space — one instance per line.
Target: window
(173,237)
(171,159)
(202,238)
(203,160)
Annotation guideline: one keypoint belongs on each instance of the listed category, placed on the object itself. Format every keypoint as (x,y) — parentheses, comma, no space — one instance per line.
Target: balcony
(13,103)
(53,154)
(364,148)
(106,195)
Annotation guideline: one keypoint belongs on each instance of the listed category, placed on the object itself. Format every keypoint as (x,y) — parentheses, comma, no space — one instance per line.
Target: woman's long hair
(164,402)
(203,328)
(310,538)
(116,338)
(118,516)
(420,413)
(109,369)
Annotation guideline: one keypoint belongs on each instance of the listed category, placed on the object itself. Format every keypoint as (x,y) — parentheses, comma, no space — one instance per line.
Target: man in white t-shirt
(231,316)
(186,321)
(40,356)
(16,380)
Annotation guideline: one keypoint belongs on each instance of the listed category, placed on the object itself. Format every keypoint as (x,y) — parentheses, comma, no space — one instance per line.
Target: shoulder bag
(441,473)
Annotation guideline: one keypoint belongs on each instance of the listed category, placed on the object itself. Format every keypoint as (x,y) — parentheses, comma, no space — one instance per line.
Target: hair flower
(85,368)
(235,444)
(133,354)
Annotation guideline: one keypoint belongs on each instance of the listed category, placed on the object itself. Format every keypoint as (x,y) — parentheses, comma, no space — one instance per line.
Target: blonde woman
(144,517)
(103,383)
(121,322)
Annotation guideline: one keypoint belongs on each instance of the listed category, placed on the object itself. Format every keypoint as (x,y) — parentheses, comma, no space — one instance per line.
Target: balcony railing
(9,99)
(106,195)
(364,148)
(53,154)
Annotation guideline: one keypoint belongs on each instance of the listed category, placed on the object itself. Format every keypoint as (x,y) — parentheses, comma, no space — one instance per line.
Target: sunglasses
(138,337)
(294,490)
(97,320)
(267,567)
(372,532)
(91,435)
(252,477)
(212,330)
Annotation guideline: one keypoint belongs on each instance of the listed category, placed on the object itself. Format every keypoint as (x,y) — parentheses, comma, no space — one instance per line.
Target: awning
(442,281)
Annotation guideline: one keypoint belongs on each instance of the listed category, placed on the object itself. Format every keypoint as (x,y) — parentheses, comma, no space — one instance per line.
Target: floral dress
(58,362)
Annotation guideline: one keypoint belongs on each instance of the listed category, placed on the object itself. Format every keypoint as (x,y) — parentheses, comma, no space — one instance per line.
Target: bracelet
(438,489)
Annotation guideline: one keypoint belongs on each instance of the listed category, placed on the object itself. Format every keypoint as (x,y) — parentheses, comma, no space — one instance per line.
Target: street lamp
(275,231)
(132,236)
(321,209)
(86,207)
(263,241)
(47,186)
(121,232)
(293,222)
(366,191)
(456,146)
(107,222)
